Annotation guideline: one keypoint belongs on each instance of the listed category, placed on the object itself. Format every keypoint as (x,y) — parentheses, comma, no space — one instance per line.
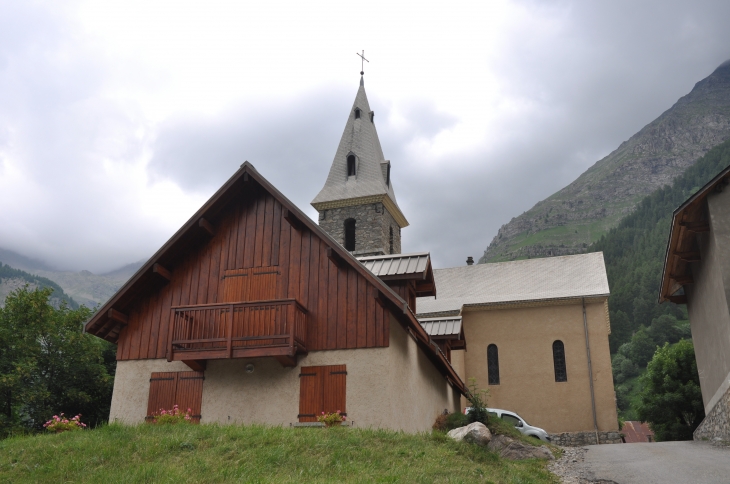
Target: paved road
(661,462)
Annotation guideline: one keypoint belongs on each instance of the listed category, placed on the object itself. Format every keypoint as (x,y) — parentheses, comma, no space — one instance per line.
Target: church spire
(358,183)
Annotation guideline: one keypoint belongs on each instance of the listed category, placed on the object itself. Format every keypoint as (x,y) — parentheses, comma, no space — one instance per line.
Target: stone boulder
(476,433)
(509,448)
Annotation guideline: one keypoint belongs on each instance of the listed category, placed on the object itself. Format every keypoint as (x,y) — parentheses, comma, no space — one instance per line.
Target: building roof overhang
(414,267)
(688,220)
(109,320)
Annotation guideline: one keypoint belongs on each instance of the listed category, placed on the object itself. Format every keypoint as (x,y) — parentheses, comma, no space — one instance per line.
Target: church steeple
(357,204)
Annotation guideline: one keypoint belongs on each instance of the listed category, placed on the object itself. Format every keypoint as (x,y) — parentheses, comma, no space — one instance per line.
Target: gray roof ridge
(394,256)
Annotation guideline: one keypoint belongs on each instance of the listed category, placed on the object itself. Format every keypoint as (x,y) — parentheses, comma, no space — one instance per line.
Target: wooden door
(253,284)
(181,388)
(322,389)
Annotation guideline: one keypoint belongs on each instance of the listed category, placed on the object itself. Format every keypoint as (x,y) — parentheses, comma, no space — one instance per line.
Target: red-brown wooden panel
(162,392)
(181,388)
(310,393)
(335,388)
(332,306)
(322,389)
(189,394)
(362,290)
(342,308)
(351,317)
(268,228)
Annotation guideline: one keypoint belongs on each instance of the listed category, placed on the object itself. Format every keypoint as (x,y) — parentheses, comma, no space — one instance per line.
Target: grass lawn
(232,453)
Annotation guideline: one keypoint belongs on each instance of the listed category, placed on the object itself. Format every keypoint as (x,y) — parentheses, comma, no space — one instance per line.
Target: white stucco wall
(395,387)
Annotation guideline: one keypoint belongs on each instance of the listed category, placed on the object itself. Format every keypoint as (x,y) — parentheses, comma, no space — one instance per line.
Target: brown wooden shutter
(253,284)
(310,393)
(322,389)
(335,382)
(181,388)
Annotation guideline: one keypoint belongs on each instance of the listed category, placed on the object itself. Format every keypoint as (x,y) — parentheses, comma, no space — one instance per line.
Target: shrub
(59,424)
(478,400)
(172,417)
(331,419)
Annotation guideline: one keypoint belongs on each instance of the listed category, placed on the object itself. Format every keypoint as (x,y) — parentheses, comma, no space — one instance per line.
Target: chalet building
(537,333)
(697,273)
(252,313)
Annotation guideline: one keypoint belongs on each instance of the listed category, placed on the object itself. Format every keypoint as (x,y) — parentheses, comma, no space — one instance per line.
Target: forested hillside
(11,279)
(634,253)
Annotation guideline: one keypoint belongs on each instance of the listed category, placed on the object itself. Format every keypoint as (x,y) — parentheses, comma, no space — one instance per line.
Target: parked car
(519,423)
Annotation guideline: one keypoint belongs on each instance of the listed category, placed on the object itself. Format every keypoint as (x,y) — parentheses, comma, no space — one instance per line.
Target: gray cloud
(606,70)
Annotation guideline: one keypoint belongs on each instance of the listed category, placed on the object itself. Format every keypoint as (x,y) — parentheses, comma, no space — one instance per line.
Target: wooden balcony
(275,328)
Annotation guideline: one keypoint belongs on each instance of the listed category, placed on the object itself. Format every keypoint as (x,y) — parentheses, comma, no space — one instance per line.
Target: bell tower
(357,204)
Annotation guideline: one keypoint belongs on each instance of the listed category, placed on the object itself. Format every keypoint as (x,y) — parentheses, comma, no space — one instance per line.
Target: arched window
(351,165)
(390,239)
(493,364)
(559,361)
(350,234)
(357,113)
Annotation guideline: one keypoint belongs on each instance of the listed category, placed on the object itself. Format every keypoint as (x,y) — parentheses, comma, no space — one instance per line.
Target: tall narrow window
(350,234)
(493,364)
(559,361)
(390,240)
(357,113)
(387,176)
(351,165)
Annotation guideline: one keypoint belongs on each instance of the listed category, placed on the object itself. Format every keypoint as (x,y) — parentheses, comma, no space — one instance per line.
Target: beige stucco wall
(707,302)
(395,387)
(524,337)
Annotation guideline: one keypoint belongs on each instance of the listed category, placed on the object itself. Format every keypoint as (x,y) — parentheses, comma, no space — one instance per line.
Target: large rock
(476,433)
(509,448)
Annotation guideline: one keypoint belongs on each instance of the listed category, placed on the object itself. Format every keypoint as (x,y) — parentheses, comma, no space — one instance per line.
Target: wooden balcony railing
(238,330)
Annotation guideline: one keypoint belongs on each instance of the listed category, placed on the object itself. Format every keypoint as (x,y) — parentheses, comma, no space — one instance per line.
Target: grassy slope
(210,453)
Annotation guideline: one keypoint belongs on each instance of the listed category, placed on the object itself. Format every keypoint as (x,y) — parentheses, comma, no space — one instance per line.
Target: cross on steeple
(363,60)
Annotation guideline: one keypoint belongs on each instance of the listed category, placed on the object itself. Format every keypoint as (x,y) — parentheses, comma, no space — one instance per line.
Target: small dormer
(372,117)
(351,165)
(385,169)
(357,113)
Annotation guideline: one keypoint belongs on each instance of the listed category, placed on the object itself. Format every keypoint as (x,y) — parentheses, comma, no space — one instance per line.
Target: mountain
(83,287)
(12,279)
(579,214)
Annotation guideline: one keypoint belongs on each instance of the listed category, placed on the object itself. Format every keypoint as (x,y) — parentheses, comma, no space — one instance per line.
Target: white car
(519,423)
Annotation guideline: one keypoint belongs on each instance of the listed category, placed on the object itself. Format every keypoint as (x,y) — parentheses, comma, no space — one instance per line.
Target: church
(253,313)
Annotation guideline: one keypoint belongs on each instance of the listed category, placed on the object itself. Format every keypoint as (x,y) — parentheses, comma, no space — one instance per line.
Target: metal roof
(442,326)
(397,264)
(569,276)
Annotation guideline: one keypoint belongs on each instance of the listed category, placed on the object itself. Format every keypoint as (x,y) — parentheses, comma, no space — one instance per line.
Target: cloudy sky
(118,119)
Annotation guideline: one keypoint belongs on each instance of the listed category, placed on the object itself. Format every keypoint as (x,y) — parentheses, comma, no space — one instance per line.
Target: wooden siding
(322,389)
(181,388)
(252,238)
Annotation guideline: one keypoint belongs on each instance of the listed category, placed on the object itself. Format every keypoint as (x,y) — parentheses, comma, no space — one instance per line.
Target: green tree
(642,347)
(671,400)
(48,365)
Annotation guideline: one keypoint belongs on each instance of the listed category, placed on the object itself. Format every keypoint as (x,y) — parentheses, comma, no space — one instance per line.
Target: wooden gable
(256,255)
(322,296)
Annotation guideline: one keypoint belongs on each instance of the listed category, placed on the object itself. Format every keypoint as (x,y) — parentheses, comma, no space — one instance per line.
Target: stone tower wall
(372,224)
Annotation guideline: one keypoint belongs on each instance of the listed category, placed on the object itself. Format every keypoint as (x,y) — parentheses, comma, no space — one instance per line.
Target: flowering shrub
(331,419)
(174,416)
(59,424)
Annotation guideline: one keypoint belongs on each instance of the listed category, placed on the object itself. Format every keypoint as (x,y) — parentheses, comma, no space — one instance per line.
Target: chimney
(470,261)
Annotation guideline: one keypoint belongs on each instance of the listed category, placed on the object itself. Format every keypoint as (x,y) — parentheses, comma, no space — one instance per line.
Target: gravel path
(568,468)
(660,463)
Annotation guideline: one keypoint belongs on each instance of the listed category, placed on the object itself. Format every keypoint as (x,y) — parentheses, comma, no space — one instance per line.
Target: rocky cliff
(579,214)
